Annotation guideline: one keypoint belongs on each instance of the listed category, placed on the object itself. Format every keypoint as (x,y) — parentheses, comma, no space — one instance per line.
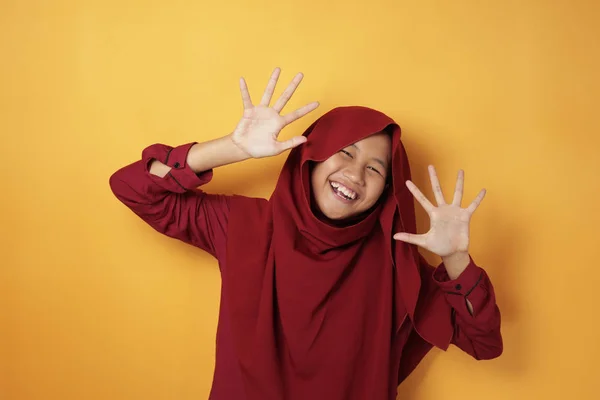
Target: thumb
(291,143)
(419,240)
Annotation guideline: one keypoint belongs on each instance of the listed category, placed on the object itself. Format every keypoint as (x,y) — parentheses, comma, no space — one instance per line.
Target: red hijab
(316,309)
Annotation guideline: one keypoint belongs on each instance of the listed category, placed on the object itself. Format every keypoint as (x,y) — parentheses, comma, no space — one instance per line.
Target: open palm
(257,131)
(449,223)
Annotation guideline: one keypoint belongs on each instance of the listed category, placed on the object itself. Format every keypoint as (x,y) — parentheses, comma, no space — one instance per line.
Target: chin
(327,213)
(336,217)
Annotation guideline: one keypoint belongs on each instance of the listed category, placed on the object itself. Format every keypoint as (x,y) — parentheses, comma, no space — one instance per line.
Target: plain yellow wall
(94,304)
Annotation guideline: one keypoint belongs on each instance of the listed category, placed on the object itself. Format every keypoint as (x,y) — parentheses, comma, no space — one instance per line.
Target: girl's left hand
(449,230)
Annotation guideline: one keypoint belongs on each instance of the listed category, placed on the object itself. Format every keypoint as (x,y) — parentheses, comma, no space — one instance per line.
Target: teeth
(350,194)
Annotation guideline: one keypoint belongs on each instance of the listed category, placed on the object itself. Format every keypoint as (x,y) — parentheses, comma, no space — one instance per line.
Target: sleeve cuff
(175,157)
(464,284)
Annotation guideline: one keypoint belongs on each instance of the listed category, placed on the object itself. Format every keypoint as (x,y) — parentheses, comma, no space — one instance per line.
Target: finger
(419,240)
(420,196)
(437,188)
(473,206)
(458,191)
(287,94)
(291,143)
(266,99)
(299,113)
(245,94)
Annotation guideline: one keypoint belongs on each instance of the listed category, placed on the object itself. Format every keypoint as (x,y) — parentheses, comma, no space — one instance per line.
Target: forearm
(470,293)
(205,156)
(143,192)
(455,264)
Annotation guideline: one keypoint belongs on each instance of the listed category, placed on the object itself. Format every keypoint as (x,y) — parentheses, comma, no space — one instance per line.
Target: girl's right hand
(256,133)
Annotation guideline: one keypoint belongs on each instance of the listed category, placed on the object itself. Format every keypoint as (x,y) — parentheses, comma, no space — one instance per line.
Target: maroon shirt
(175,207)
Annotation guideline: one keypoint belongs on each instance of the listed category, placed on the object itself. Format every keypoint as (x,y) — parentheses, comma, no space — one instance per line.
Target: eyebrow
(377,160)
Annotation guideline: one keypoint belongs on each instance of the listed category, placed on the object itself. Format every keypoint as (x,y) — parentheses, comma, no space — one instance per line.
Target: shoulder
(248,207)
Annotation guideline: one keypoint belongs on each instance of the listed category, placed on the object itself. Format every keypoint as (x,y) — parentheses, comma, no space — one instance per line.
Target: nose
(355,174)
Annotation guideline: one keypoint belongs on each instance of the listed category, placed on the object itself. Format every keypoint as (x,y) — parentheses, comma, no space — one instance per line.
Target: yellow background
(94,304)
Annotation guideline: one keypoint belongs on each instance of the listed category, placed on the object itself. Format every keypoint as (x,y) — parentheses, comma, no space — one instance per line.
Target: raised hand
(257,132)
(449,223)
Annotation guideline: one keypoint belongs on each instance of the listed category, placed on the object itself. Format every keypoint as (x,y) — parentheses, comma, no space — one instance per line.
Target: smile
(342,192)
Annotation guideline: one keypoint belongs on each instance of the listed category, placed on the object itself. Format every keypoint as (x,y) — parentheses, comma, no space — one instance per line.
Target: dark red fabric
(316,309)
(174,207)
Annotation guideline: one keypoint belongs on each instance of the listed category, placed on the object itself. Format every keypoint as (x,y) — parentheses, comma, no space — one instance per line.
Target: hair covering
(315,309)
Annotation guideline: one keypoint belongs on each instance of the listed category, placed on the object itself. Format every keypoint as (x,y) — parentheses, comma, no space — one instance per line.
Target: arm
(161,189)
(476,327)
(455,264)
(467,288)
(204,157)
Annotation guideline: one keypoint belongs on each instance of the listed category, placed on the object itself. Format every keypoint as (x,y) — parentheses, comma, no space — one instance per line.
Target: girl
(324,294)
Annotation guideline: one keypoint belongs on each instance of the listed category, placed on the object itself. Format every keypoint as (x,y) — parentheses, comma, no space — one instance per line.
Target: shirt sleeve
(477,334)
(173,205)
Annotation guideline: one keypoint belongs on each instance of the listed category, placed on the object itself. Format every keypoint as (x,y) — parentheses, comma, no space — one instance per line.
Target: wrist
(456,263)
(159,169)
(214,153)
(237,149)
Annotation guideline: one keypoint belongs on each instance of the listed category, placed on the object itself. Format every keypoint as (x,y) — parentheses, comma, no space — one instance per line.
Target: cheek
(318,179)
(374,191)
(322,171)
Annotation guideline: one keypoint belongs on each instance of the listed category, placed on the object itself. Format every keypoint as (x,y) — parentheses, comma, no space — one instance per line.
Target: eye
(347,153)
(374,169)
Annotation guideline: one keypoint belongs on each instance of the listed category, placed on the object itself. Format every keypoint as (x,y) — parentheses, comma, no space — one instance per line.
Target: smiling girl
(324,294)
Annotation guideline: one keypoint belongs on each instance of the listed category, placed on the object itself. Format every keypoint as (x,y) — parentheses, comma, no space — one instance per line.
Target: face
(351,181)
